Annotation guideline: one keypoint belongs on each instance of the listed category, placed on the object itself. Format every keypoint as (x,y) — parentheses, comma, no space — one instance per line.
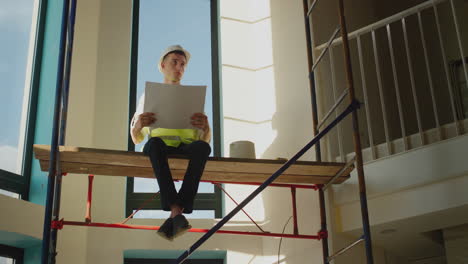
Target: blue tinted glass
(16,19)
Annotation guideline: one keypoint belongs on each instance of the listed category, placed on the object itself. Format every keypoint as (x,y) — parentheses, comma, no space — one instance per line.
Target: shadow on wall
(292,121)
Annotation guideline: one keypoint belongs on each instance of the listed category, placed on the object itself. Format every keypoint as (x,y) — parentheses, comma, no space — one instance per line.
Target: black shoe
(166,229)
(180,225)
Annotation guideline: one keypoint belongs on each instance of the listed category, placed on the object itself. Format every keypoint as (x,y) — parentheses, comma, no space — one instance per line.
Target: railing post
(459,39)
(357,140)
(447,74)
(429,77)
(366,100)
(413,85)
(397,89)
(339,130)
(381,94)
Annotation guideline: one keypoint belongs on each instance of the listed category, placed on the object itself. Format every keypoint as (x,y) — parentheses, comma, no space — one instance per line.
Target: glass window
(11,255)
(17,30)
(189,27)
(162,23)
(11,194)
(4,260)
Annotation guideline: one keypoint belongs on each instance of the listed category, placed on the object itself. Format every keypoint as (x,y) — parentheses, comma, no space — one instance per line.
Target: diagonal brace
(327,47)
(234,201)
(351,108)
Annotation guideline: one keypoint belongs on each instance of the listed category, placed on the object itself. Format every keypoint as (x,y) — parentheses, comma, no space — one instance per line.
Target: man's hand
(140,122)
(200,121)
(144,120)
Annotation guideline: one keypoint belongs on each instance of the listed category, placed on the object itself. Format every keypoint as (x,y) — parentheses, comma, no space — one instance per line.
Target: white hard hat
(171,49)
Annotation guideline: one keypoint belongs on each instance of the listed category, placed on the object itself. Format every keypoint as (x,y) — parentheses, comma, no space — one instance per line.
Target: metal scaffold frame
(52,223)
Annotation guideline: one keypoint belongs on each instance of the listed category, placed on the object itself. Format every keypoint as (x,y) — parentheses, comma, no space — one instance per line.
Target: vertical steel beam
(357,139)
(313,93)
(216,81)
(47,249)
(63,120)
(323,225)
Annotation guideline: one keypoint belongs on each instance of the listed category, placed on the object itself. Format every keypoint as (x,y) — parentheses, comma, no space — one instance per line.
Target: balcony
(410,73)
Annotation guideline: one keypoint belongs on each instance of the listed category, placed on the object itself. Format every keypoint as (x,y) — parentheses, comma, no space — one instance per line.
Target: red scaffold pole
(90,198)
(286,185)
(293,194)
(61,223)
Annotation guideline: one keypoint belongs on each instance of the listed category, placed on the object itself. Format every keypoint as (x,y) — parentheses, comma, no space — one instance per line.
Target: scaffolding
(52,223)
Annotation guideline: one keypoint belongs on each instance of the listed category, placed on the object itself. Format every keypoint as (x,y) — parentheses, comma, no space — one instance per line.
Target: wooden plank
(97,156)
(118,170)
(137,159)
(127,163)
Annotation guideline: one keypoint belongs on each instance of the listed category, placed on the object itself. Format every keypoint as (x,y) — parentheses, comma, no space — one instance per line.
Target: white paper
(173,104)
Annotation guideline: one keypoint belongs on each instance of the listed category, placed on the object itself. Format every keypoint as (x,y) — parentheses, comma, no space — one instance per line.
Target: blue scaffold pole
(63,123)
(46,236)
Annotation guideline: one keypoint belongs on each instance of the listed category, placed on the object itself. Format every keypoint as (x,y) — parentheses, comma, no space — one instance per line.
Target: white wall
(80,128)
(247,73)
(17,218)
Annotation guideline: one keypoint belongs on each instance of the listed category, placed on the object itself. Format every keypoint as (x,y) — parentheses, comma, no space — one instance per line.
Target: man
(194,143)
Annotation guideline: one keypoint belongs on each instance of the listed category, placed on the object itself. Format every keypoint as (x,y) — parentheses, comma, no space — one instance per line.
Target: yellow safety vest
(174,137)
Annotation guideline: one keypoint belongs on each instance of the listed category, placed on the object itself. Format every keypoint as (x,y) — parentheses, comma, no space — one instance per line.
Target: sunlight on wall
(249,101)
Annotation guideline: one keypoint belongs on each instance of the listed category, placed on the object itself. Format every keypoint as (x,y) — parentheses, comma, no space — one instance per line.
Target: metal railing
(410,96)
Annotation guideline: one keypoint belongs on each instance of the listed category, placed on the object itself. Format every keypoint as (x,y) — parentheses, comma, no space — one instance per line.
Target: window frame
(17,254)
(10,181)
(203,201)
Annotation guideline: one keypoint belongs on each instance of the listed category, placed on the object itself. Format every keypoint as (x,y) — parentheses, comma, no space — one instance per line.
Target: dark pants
(197,152)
